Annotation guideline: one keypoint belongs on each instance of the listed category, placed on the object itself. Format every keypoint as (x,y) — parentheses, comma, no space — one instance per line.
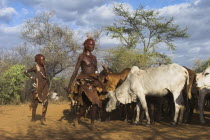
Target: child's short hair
(38,57)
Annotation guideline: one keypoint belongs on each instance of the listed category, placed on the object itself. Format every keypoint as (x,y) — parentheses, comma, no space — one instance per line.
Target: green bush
(12,81)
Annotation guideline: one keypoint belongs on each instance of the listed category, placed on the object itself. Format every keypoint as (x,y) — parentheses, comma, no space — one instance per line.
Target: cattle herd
(166,89)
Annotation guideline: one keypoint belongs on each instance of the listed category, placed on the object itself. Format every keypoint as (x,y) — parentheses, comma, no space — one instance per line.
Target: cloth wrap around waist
(87,84)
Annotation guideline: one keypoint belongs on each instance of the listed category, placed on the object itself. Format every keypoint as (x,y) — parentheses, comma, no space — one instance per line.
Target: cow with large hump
(155,81)
(203,84)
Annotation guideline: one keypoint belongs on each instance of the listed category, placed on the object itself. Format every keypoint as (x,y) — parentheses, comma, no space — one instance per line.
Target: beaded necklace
(38,69)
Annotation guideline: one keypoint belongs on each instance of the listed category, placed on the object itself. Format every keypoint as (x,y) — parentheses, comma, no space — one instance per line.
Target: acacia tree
(144,30)
(55,42)
(200,66)
(121,57)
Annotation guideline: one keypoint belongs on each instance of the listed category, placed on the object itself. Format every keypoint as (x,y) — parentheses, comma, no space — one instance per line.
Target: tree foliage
(8,58)
(144,30)
(146,27)
(200,66)
(11,84)
(122,57)
(55,42)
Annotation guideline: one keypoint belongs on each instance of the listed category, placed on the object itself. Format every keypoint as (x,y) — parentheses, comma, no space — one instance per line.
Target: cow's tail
(186,91)
(188,94)
(188,85)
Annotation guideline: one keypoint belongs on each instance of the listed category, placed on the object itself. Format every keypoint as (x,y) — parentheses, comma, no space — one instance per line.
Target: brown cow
(113,80)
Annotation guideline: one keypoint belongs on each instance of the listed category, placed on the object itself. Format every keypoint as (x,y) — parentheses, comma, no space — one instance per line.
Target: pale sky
(85,15)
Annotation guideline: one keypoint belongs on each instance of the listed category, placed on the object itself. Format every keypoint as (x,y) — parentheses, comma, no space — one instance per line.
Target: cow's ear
(139,72)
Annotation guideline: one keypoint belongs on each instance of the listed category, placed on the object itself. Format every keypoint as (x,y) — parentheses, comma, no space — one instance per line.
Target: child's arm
(28,71)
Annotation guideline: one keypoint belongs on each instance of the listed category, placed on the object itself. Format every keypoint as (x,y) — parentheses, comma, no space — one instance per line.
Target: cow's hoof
(136,123)
(92,127)
(173,123)
(99,120)
(125,120)
(148,125)
(203,122)
(187,122)
(107,121)
(180,123)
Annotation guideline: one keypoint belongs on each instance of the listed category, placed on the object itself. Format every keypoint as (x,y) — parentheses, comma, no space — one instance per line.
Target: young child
(41,85)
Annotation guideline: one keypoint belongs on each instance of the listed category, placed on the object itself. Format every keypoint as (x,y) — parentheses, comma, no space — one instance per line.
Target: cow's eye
(206,74)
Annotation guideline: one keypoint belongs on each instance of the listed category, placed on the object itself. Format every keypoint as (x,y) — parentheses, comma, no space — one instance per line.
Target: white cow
(155,81)
(203,84)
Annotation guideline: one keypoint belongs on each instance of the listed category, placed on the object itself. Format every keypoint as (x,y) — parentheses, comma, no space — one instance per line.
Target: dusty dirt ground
(15,124)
